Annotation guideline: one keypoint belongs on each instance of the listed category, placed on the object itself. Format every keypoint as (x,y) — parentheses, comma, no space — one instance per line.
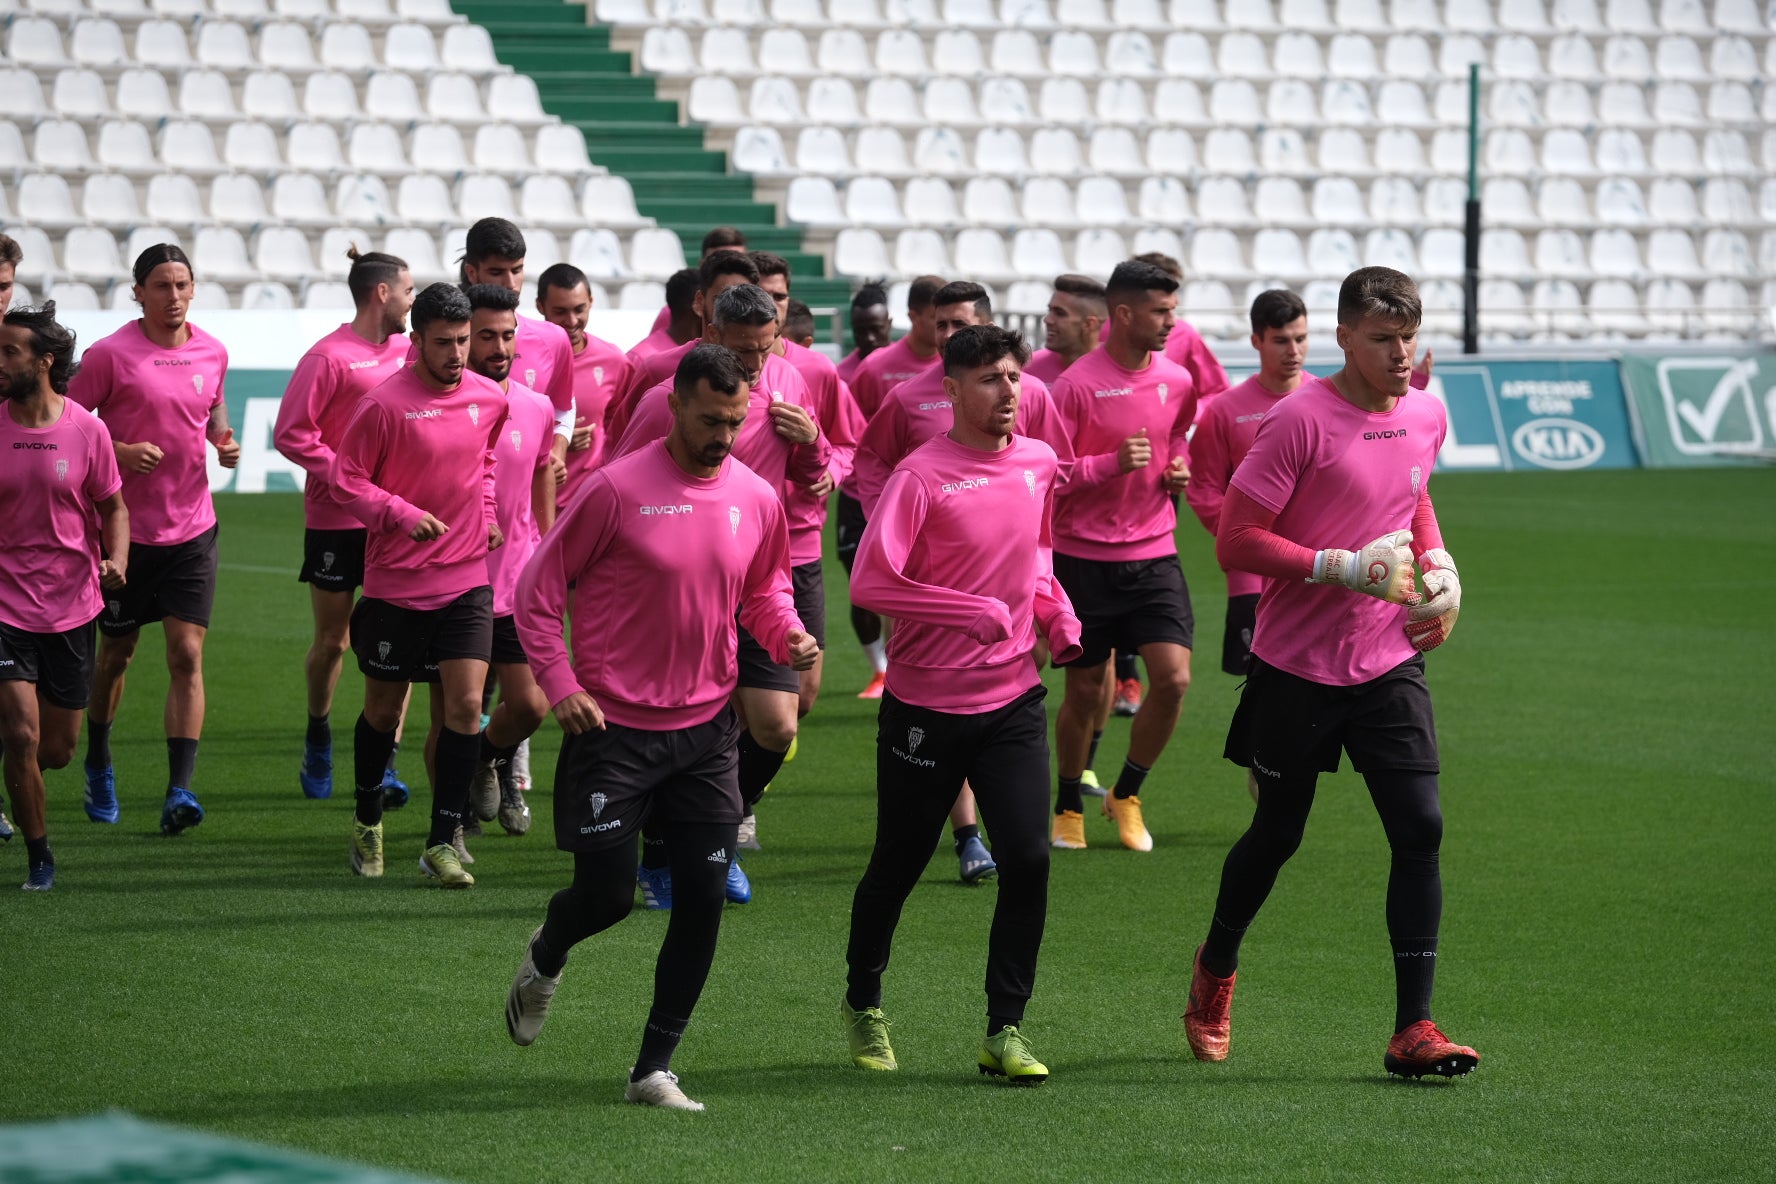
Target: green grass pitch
(1607,716)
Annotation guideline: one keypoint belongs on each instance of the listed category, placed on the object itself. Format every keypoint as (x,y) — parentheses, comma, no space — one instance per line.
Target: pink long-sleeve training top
(409,451)
(599,370)
(657,560)
(149,395)
(323,391)
(841,423)
(1225,429)
(51,482)
(1103,513)
(958,553)
(521,449)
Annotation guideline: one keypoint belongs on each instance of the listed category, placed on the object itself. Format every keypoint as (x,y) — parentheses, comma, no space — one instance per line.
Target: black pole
(1471,245)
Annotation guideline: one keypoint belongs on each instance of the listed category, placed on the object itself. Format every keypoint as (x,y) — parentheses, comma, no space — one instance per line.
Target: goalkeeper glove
(1382,569)
(1429,625)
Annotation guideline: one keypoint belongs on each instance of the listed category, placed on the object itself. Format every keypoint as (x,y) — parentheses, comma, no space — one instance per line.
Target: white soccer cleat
(527,1003)
(660,1088)
(521,766)
(749,834)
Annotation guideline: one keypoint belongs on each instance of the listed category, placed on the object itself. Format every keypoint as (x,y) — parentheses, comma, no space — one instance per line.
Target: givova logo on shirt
(915,737)
(1117,392)
(965,485)
(658,511)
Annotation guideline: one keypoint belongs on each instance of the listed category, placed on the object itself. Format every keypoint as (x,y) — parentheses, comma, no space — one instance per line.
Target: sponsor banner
(1703,409)
(1529,414)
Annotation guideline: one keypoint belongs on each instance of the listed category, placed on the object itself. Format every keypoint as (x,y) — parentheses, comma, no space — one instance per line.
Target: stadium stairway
(677,181)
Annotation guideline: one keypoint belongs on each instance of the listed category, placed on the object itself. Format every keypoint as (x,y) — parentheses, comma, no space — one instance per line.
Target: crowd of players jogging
(532,523)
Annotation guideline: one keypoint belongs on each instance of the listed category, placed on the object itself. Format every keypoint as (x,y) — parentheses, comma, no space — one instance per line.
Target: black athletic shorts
(333,560)
(59,664)
(810,599)
(1123,606)
(611,783)
(396,644)
(1236,641)
(1290,726)
(759,670)
(177,581)
(848,529)
(507,650)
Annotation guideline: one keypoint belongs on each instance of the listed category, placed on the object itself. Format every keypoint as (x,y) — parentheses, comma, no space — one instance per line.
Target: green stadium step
(653,185)
(634,162)
(555,85)
(592,108)
(641,134)
(545,59)
(500,16)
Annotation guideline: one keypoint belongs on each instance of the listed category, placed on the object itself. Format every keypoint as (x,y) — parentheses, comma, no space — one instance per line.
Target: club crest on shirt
(1162,393)
(475,414)
(517,440)
(734,519)
(598,375)
(197,383)
(597,801)
(915,737)
(1030,482)
(530,377)
(61,470)
(1417,477)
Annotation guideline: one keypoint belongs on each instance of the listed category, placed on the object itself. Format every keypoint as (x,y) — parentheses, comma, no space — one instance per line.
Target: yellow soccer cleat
(366,849)
(441,864)
(1127,813)
(1007,1054)
(1069,831)
(868,1033)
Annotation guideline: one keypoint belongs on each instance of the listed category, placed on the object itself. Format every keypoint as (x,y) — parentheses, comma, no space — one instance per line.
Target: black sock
(370,756)
(1415,974)
(493,754)
(450,796)
(181,762)
(320,732)
(758,765)
(1069,797)
(1126,668)
(998,1023)
(98,744)
(659,1040)
(546,960)
(37,851)
(1220,956)
(1091,754)
(964,833)
(1128,782)
(653,852)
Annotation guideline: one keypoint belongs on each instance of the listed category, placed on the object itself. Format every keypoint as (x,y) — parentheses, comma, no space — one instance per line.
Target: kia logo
(1558,443)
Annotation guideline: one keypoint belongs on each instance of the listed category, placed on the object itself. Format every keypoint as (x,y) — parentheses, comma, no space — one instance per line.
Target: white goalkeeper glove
(1382,569)
(1429,625)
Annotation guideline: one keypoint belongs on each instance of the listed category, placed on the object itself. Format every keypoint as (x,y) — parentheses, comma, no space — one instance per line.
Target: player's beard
(712,455)
(20,384)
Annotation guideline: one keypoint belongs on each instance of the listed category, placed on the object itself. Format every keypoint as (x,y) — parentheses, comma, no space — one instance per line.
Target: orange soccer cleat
(1208,1017)
(1128,697)
(877,684)
(1422,1048)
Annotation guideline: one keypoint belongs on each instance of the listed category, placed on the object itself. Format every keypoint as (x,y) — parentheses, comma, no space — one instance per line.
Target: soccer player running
(674,532)
(783,443)
(798,326)
(157,384)
(682,322)
(878,371)
(1338,652)
(957,553)
(564,298)
(1224,433)
(524,501)
(1071,328)
(1126,410)
(721,239)
(415,466)
(322,393)
(872,327)
(11,255)
(64,500)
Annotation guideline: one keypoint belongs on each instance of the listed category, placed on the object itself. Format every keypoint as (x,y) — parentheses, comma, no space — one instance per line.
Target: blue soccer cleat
(656,886)
(739,888)
(180,813)
(5,828)
(100,798)
(976,864)
(40,879)
(394,790)
(316,774)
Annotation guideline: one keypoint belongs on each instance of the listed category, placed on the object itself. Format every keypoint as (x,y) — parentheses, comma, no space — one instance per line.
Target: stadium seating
(266,138)
(1626,147)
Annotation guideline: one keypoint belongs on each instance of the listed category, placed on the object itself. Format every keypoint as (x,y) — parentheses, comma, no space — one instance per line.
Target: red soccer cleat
(1208,1018)
(877,684)
(1422,1049)
(1128,697)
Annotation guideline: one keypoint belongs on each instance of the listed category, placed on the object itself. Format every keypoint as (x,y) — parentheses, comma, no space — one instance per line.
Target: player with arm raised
(653,557)
(322,394)
(524,500)
(1338,652)
(1126,410)
(62,491)
(157,384)
(957,553)
(415,466)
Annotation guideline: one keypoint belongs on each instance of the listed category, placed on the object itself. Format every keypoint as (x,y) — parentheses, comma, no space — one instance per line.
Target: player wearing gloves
(1335,462)
(957,552)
